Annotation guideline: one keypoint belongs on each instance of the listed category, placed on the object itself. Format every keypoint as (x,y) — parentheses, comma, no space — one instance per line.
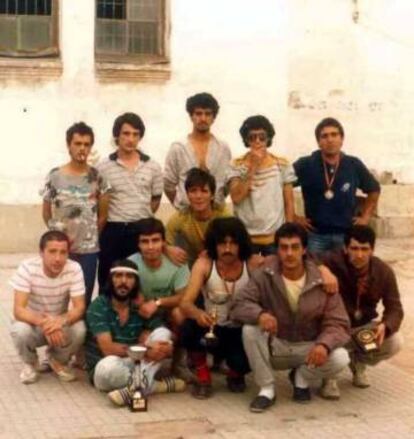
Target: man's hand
(51,324)
(360,220)
(204,319)
(317,356)
(158,350)
(304,222)
(330,281)
(56,339)
(256,158)
(147,309)
(176,255)
(268,323)
(380,334)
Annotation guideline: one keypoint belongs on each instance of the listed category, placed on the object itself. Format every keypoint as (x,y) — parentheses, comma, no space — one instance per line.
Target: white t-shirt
(48,294)
(294,289)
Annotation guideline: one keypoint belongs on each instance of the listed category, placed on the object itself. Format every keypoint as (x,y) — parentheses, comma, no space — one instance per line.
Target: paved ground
(50,409)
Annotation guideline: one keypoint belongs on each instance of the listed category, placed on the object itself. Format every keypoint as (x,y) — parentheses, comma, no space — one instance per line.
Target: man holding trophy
(364,281)
(218,277)
(123,350)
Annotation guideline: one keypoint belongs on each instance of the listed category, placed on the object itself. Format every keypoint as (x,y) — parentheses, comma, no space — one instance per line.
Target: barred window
(28,28)
(130,28)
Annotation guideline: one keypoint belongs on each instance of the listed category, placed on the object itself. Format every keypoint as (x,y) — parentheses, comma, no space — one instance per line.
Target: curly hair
(257,123)
(202,100)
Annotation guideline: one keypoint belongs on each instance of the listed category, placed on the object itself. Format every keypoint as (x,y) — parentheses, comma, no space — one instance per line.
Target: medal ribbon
(330,180)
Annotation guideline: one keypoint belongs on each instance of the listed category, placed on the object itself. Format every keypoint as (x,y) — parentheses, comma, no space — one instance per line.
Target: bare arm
(46,211)
(197,278)
(172,301)
(240,189)
(289,203)
(171,194)
(155,203)
(108,347)
(103,203)
(368,208)
(22,313)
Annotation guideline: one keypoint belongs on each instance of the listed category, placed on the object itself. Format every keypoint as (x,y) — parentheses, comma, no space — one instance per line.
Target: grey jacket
(321,317)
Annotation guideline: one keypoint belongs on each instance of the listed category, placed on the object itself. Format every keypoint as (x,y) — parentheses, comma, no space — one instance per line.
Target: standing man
(136,190)
(75,201)
(218,278)
(113,325)
(364,282)
(261,185)
(43,287)
(186,229)
(329,180)
(290,322)
(200,149)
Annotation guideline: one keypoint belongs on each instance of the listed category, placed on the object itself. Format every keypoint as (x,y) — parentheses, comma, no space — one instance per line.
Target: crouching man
(43,287)
(113,325)
(290,322)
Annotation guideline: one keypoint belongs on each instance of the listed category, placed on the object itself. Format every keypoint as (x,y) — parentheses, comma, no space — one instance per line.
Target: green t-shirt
(163,281)
(101,317)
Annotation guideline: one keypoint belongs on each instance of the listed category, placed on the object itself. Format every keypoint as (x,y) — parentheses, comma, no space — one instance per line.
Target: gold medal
(329,194)
(358,314)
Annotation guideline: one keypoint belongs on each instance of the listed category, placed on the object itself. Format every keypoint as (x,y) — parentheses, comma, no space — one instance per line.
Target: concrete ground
(51,409)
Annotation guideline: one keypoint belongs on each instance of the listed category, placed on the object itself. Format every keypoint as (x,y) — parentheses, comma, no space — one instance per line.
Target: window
(28,28)
(131,30)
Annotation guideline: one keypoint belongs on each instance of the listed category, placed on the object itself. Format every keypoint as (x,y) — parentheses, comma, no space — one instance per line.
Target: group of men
(271,288)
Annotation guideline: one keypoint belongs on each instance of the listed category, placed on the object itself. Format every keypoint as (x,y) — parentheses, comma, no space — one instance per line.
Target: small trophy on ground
(139,402)
(216,298)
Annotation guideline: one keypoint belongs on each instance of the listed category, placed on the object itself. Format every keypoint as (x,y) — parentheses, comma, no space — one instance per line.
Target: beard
(121,297)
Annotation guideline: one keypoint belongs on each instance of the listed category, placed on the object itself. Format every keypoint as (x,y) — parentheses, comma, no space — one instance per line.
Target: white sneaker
(330,390)
(359,376)
(63,372)
(28,375)
(120,397)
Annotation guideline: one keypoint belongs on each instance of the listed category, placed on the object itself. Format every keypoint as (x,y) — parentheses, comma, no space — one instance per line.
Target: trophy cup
(216,298)
(139,402)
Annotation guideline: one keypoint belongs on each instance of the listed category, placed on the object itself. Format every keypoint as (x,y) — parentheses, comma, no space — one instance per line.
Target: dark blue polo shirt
(335,215)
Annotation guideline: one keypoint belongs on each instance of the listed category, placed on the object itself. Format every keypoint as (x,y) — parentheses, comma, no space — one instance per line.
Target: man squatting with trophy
(365,281)
(115,332)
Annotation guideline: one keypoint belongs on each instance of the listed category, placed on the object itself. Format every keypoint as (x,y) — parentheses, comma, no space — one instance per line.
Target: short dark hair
(202,100)
(362,234)
(127,263)
(328,122)
(79,128)
(197,177)
(149,226)
(292,230)
(131,119)
(257,123)
(219,229)
(53,235)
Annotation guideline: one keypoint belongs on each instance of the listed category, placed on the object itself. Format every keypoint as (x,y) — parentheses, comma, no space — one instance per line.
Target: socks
(268,391)
(300,381)
(199,361)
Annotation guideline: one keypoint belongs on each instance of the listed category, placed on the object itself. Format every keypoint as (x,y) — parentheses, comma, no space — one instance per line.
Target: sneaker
(236,384)
(300,394)
(44,366)
(359,375)
(120,397)
(261,403)
(64,373)
(202,390)
(330,390)
(29,374)
(169,384)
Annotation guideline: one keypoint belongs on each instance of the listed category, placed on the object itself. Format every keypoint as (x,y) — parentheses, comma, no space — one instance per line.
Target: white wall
(295,61)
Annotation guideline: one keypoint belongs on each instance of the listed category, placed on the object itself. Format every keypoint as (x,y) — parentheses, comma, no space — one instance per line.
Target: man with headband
(113,325)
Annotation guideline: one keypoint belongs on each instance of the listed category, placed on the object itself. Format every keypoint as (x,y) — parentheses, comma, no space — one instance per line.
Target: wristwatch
(158,303)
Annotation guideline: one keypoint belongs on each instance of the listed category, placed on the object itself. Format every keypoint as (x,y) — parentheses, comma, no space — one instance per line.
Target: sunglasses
(261,137)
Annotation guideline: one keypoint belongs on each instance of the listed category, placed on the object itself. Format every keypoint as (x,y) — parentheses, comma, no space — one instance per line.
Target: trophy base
(138,402)
(210,342)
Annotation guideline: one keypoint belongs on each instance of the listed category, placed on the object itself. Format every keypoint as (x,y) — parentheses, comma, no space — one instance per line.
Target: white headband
(121,269)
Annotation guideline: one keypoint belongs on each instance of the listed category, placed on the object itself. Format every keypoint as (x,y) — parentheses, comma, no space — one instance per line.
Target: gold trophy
(216,298)
(139,401)
(365,339)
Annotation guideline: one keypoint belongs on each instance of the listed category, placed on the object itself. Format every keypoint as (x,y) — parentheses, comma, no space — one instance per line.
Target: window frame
(51,52)
(139,59)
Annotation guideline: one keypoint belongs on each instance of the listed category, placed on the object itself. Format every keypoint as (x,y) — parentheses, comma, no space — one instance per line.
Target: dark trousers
(230,345)
(88,263)
(117,241)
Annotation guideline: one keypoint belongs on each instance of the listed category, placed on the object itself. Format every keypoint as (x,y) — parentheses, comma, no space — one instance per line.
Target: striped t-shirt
(131,190)
(263,210)
(48,295)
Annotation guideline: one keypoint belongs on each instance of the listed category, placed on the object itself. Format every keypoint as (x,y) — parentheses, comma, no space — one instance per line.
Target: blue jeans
(319,243)
(88,263)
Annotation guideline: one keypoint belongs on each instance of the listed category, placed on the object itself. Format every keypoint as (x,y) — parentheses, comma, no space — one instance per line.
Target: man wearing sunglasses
(260,185)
